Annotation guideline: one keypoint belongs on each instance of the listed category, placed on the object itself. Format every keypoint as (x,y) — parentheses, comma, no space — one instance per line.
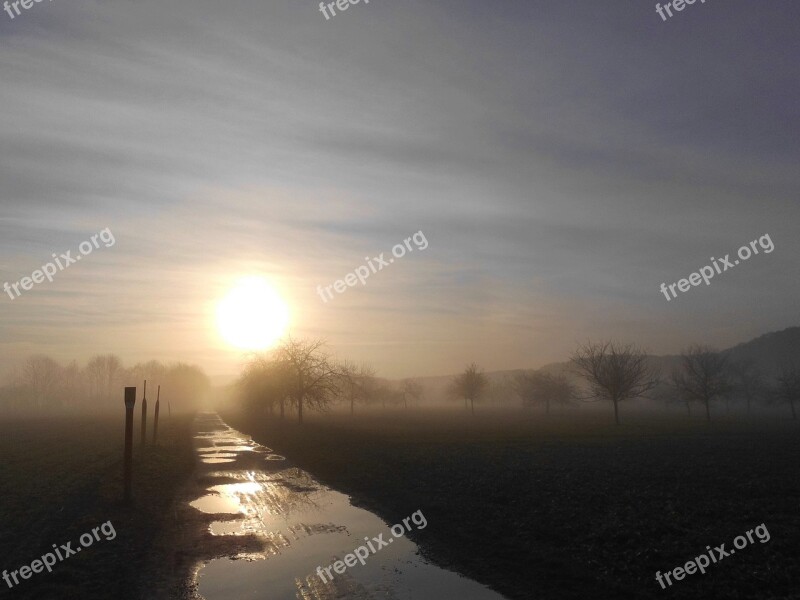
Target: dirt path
(259,527)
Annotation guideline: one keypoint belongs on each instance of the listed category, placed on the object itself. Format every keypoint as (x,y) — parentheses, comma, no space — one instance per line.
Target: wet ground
(571,506)
(281,528)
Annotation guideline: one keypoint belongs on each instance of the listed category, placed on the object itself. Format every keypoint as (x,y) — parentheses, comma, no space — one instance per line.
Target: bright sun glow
(252,316)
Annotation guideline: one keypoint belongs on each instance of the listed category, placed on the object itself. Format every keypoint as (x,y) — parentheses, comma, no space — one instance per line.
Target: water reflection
(301,525)
(214,504)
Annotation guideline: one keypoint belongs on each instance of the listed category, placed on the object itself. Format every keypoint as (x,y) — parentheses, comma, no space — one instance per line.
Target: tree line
(43,384)
(300,376)
(613,372)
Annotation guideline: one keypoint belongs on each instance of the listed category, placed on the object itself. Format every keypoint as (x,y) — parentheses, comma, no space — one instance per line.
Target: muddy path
(269,530)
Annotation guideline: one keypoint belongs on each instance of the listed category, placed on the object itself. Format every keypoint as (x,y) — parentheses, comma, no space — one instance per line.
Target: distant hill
(768,351)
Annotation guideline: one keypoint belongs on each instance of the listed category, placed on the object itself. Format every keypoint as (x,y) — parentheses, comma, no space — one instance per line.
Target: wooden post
(155,419)
(144,413)
(130,401)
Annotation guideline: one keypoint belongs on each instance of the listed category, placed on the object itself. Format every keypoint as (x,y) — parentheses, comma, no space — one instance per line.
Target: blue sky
(562,159)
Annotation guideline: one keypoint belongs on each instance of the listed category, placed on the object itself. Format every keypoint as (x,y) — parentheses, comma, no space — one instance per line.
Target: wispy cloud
(563,160)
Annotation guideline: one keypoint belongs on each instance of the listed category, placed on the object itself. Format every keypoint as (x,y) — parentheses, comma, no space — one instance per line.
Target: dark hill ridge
(770,349)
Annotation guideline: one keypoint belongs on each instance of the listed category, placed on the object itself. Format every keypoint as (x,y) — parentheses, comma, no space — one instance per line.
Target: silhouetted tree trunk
(749,380)
(704,375)
(356,383)
(470,385)
(788,385)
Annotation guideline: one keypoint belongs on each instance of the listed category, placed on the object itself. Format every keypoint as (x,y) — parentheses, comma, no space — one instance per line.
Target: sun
(252,316)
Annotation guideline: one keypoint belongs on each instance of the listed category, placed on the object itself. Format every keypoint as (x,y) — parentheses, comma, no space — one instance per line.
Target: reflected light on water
(303,525)
(214,504)
(248,487)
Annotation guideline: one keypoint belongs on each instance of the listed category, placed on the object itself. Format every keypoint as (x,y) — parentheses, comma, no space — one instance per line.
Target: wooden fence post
(130,401)
(144,413)
(155,419)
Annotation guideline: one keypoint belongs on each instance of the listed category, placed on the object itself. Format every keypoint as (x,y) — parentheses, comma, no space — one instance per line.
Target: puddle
(219,455)
(230,489)
(226,449)
(227,528)
(214,504)
(305,525)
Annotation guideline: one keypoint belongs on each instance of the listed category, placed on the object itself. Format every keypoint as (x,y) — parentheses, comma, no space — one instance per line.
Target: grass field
(61,478)
(570,507)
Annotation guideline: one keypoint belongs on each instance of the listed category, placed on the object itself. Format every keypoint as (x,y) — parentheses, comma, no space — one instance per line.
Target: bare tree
(386,392)
(749,380)
(95,373)
(536,387)
(41,374)
(45,383)
(155,372)
(357,383)
(413,388)
(313,377)
(72,384)
(102,371)
(264,384)
(614,372)
(382,392)
(470,385)
(528,385)
(680,394)
(703,376)
(787,386)
(502,389)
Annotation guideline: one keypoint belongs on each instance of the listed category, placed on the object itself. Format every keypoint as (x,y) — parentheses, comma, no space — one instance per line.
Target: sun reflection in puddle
(301,524)
(219,455)
(216,504)
(247,487)
(239,448)
(227,528)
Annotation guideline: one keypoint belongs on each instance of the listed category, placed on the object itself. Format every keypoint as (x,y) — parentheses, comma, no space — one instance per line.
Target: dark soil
(570,507)
(62,477)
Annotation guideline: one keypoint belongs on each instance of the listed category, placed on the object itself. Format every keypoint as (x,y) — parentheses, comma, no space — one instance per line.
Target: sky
(562,159)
